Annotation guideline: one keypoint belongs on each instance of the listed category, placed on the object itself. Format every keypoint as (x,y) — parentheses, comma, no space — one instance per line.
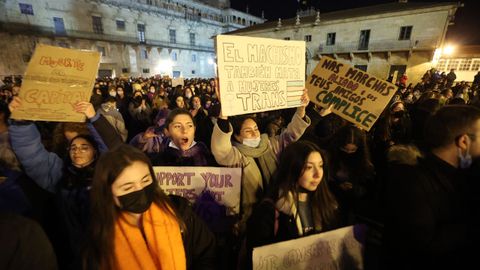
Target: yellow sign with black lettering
(355,95)
(55,80)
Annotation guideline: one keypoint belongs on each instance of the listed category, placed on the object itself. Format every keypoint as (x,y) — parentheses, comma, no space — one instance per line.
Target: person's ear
(462,141)
(165,131)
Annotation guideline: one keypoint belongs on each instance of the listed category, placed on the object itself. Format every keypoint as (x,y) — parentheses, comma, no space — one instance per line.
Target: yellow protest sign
(355,95)
(259,74)
(56,79)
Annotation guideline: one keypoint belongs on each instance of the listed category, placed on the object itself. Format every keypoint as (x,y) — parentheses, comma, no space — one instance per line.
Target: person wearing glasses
(69,178)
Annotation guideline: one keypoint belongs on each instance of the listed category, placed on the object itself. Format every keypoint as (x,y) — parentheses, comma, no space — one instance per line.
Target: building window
(194,58)
(364,39)
(59,26)
(124,70)
(97,25)
(308,38)
(146,70)
(174,56)
(102,50)
(192,39)
(141,32)
(26,9)
(452,64)
(120,25)
(361,67)
(286,38)
(149,2)
(465,64)
(331,39)
(173,36)
(442,63)
(144,54)
(405,33)
(475,65)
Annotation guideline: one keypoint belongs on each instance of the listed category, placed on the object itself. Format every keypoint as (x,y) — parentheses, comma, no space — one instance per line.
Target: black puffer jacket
(198,241)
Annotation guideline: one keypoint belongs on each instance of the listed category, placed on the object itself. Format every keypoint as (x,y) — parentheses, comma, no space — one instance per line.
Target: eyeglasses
(81,148)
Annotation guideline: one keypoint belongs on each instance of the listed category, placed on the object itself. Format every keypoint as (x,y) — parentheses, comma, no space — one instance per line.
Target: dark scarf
(195,156)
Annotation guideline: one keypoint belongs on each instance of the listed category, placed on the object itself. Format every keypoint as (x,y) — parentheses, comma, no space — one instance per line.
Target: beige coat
(227,154)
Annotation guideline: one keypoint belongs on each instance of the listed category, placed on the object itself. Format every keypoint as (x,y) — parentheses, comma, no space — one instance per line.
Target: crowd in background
(304,171)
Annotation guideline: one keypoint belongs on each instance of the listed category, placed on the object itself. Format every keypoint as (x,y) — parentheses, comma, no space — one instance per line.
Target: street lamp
(448,50)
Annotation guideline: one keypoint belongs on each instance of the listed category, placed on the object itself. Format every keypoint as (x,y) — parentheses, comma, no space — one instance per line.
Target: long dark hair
(291,167)
(363,162)
(99,252)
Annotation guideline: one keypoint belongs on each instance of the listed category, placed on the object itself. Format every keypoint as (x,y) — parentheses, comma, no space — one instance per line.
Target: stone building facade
(382,39)
(135,37)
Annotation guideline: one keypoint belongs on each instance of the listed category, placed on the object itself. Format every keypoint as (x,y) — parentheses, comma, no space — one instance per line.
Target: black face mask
(348,158)
(138,201)
(398,114)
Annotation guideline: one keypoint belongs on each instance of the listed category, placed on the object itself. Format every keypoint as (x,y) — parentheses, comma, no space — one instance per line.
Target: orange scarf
(162,249)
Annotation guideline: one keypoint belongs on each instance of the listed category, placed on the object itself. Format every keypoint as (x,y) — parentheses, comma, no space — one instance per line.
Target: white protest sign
(259,74)
(223,184)
(338,249)
(178,81)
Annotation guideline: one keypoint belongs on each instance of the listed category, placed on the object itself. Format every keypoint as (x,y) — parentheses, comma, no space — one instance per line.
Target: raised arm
(44,167)
(107,133)
(222,149)
(296,127)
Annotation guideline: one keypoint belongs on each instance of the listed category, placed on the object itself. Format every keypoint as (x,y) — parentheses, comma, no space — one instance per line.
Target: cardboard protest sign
(222,184)
(338,249)
(259,74)
(178,81)
(56,79)
(356,96)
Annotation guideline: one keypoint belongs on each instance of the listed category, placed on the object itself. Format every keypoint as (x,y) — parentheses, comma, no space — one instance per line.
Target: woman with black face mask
(134,225)
(352,173)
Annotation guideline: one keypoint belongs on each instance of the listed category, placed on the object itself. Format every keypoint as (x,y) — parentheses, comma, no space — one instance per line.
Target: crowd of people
(85,196)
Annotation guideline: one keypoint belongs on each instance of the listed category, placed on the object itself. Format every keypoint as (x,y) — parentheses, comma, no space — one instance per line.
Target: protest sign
(338,249)
(223,184)
(356,96)
(259,74)
(178,81)
(56,78)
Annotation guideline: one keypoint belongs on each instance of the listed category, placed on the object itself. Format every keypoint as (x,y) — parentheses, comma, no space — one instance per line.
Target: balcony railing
(379,46)
(16,28)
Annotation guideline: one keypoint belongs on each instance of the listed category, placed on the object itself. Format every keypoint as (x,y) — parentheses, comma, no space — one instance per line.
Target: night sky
(466,30)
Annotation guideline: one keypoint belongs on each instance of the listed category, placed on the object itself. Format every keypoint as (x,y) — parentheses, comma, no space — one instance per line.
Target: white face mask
(464,161)
(188,95)
(252,142)
(113,93)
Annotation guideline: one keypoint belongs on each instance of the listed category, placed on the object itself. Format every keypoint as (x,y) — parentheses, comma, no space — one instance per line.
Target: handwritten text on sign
(56,79)
(259,74)
(223,184)
(356,96)
(338,249)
